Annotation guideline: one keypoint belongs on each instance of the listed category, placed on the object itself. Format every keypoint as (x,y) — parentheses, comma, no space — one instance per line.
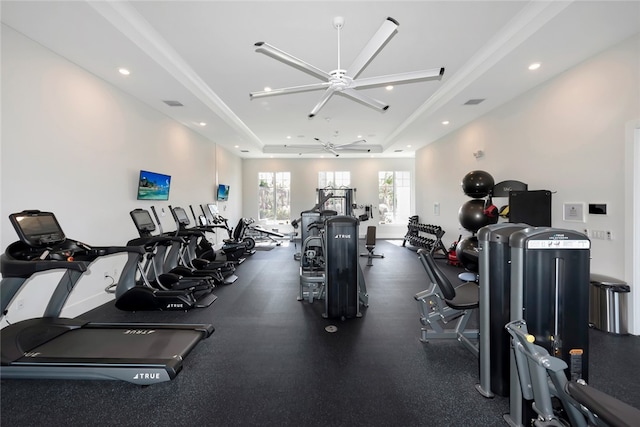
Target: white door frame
(632,223)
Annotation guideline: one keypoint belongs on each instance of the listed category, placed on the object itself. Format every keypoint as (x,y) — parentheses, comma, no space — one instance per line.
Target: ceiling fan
(330,147)
(346,81)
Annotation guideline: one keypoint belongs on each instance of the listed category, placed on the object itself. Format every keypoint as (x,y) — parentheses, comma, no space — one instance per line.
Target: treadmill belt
(113,344)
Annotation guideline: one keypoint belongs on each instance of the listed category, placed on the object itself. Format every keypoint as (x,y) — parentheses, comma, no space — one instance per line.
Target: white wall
(567,136)
(74,145)
(304,182)
(228,171)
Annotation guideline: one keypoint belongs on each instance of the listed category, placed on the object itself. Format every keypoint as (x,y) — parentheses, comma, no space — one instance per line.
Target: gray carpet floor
(271,362)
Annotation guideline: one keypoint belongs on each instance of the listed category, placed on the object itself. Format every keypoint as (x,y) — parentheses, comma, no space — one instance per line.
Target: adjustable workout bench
(370,244)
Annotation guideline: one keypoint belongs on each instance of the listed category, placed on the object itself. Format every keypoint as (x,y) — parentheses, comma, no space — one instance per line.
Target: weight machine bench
(370,244)
(441,304)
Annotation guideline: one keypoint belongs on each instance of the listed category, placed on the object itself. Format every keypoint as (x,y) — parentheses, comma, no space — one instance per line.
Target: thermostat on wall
(598,208)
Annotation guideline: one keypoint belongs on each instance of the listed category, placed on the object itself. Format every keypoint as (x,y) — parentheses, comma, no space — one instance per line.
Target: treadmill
(51,347)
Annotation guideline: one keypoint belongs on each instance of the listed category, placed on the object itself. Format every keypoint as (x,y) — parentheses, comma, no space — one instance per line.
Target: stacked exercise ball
(475,214)
(477,184)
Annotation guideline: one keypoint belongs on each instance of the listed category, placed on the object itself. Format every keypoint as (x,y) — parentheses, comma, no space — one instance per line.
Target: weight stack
(341,267)
(550,291)
(308,218)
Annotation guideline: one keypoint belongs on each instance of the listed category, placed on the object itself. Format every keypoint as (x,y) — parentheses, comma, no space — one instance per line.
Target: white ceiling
(201,53)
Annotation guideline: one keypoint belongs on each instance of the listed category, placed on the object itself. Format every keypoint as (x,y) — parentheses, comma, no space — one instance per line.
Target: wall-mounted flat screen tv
(153,186)
(223,192)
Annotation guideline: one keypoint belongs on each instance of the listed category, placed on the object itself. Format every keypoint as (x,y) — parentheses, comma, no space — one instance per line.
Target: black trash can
(608,304)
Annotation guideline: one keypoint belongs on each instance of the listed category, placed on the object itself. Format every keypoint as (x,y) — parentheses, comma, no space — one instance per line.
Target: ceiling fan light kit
(346,81)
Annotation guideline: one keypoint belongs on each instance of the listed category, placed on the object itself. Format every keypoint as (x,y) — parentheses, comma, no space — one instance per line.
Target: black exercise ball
(477,184)
(472,216)
(467,253)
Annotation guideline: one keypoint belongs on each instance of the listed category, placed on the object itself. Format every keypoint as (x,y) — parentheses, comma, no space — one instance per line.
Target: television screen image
(153,186)
(223,192)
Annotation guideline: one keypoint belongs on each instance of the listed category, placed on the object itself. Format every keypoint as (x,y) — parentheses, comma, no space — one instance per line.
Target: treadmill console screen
(37,229)
(181,216)
(142,220)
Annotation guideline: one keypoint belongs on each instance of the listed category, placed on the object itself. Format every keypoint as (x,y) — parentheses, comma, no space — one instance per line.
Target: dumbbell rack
(413,236)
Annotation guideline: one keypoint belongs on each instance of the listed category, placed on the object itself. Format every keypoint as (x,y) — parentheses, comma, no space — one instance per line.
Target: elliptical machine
(197,253)
(166,291)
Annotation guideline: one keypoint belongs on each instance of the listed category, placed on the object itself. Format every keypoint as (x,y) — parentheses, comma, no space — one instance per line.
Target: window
(394,196)
(335,180)
(274,196)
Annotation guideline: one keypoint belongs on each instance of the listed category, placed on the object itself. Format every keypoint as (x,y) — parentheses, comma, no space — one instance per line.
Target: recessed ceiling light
(445,122)
(202,124)
(288,136)
(409,146)
(267,89)
(124,71)
(390,87)
(359,136)
(236,146)
(534,66)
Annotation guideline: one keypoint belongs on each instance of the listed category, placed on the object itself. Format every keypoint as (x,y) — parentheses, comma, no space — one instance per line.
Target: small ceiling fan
(346,82)
(335,149)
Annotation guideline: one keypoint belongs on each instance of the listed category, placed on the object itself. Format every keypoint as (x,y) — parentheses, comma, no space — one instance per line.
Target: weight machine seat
(464,297)
(608,409)
(370,245)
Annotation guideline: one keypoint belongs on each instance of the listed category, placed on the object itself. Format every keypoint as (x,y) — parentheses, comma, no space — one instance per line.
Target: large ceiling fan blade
(349,144)
(367,100)
(364,149)
(284,149)
(288,90)
(377,42)
(400,78)
(325,97)
(291,60)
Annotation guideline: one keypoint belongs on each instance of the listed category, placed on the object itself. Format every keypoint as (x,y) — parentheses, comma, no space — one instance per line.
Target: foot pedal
(205,301)
(230,279)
